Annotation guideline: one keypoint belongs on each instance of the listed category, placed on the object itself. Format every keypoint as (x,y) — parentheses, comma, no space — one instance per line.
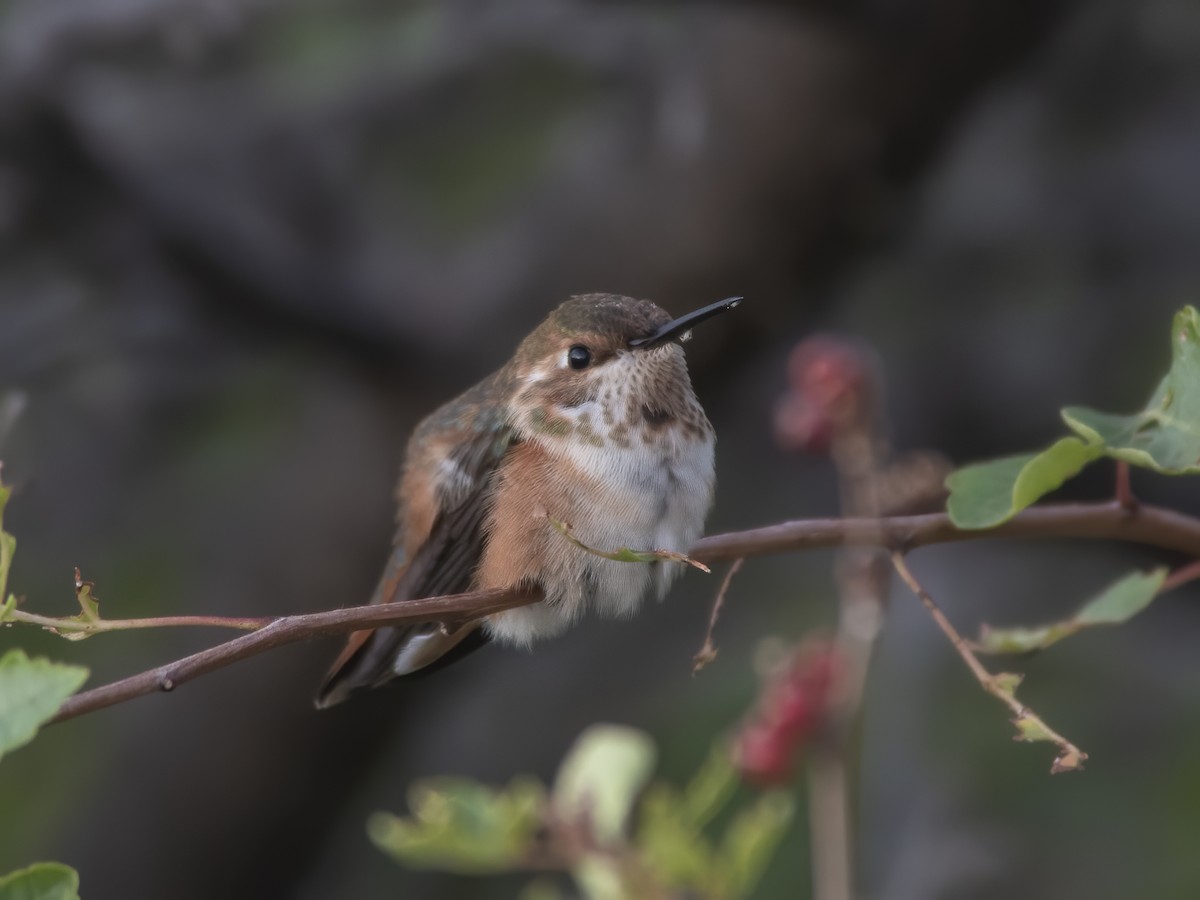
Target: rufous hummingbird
(593,423)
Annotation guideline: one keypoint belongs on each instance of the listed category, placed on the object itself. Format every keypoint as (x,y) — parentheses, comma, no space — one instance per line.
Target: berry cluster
(792,709)
(829,392)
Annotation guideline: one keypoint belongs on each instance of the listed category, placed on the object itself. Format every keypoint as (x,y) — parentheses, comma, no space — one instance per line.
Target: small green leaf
(89,612)
(601,776)
(750,841)
(1123,599)
(1115,604)
(984,495)
(1165,436)
(1031,728)
(710,788)
(1046,472)
(670,841)
(1008,682)
(463,826)
(31,692)
(41,881)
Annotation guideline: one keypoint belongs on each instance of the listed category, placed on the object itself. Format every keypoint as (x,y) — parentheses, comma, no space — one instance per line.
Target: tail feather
(374,656)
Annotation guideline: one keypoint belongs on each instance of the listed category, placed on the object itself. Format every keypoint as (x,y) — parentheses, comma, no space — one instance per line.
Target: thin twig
(1180,577)
(1147,525)
(626,554)
(708,652)
(1124,489)
(1003,686)
(73,627)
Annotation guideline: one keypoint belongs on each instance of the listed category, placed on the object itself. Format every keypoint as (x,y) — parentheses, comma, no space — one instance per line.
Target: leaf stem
(1124,489)
(627,554)
(1181,576)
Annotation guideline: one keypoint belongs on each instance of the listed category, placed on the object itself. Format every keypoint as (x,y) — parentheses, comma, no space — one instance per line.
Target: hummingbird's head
(603,367)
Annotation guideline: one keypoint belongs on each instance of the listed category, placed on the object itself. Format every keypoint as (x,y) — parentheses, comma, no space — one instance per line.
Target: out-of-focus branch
(1148,525)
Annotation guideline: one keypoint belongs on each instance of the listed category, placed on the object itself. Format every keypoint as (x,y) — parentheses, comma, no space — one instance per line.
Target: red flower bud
(764,756)
(830,390)
(793,706)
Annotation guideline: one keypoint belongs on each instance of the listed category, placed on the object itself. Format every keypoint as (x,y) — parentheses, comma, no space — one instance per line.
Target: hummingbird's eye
(579,357)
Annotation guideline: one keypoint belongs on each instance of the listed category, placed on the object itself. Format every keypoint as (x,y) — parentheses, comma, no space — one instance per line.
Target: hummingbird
(592,423)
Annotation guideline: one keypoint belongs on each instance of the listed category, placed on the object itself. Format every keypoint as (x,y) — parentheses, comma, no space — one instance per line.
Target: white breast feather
(654,497)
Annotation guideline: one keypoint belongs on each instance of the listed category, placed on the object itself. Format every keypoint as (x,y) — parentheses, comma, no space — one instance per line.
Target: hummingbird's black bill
(677,328)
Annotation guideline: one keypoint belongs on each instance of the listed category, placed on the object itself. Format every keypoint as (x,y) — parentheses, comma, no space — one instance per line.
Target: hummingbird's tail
(375,656)
(372,658)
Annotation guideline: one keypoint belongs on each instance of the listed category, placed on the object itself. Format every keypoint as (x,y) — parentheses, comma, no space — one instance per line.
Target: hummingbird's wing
(463,480)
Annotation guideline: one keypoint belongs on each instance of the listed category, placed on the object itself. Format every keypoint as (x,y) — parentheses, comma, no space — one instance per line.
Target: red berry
(802,427)
(792,708)
(764,755)
(831,386)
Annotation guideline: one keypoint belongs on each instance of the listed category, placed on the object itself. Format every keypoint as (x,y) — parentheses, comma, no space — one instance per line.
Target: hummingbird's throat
(635,399)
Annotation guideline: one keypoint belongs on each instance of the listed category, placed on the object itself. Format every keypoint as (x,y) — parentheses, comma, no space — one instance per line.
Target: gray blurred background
(246,244)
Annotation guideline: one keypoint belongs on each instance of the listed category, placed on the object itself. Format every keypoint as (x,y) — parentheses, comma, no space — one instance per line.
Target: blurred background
(246,244)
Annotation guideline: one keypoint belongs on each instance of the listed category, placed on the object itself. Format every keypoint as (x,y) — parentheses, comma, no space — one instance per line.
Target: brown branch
(1148,525)
(1124,488)
(289,630)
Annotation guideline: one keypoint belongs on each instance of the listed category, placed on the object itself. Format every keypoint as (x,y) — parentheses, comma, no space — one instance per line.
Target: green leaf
(41,881)
(750,841)
(601,776)
(670,842)
(1123,599)
(984,495)
(1165,436)
(89,611)
(1117,603)
(31,692)
(1008,682)
(462,826)
(710,788)
(8,543)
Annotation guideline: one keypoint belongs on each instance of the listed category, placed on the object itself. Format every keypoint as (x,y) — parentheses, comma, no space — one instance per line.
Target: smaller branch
(1181,576)
(959,642)
(72,628)
(626,554)
(288,630)
(1124,491)
(708,652)
(1030,726)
